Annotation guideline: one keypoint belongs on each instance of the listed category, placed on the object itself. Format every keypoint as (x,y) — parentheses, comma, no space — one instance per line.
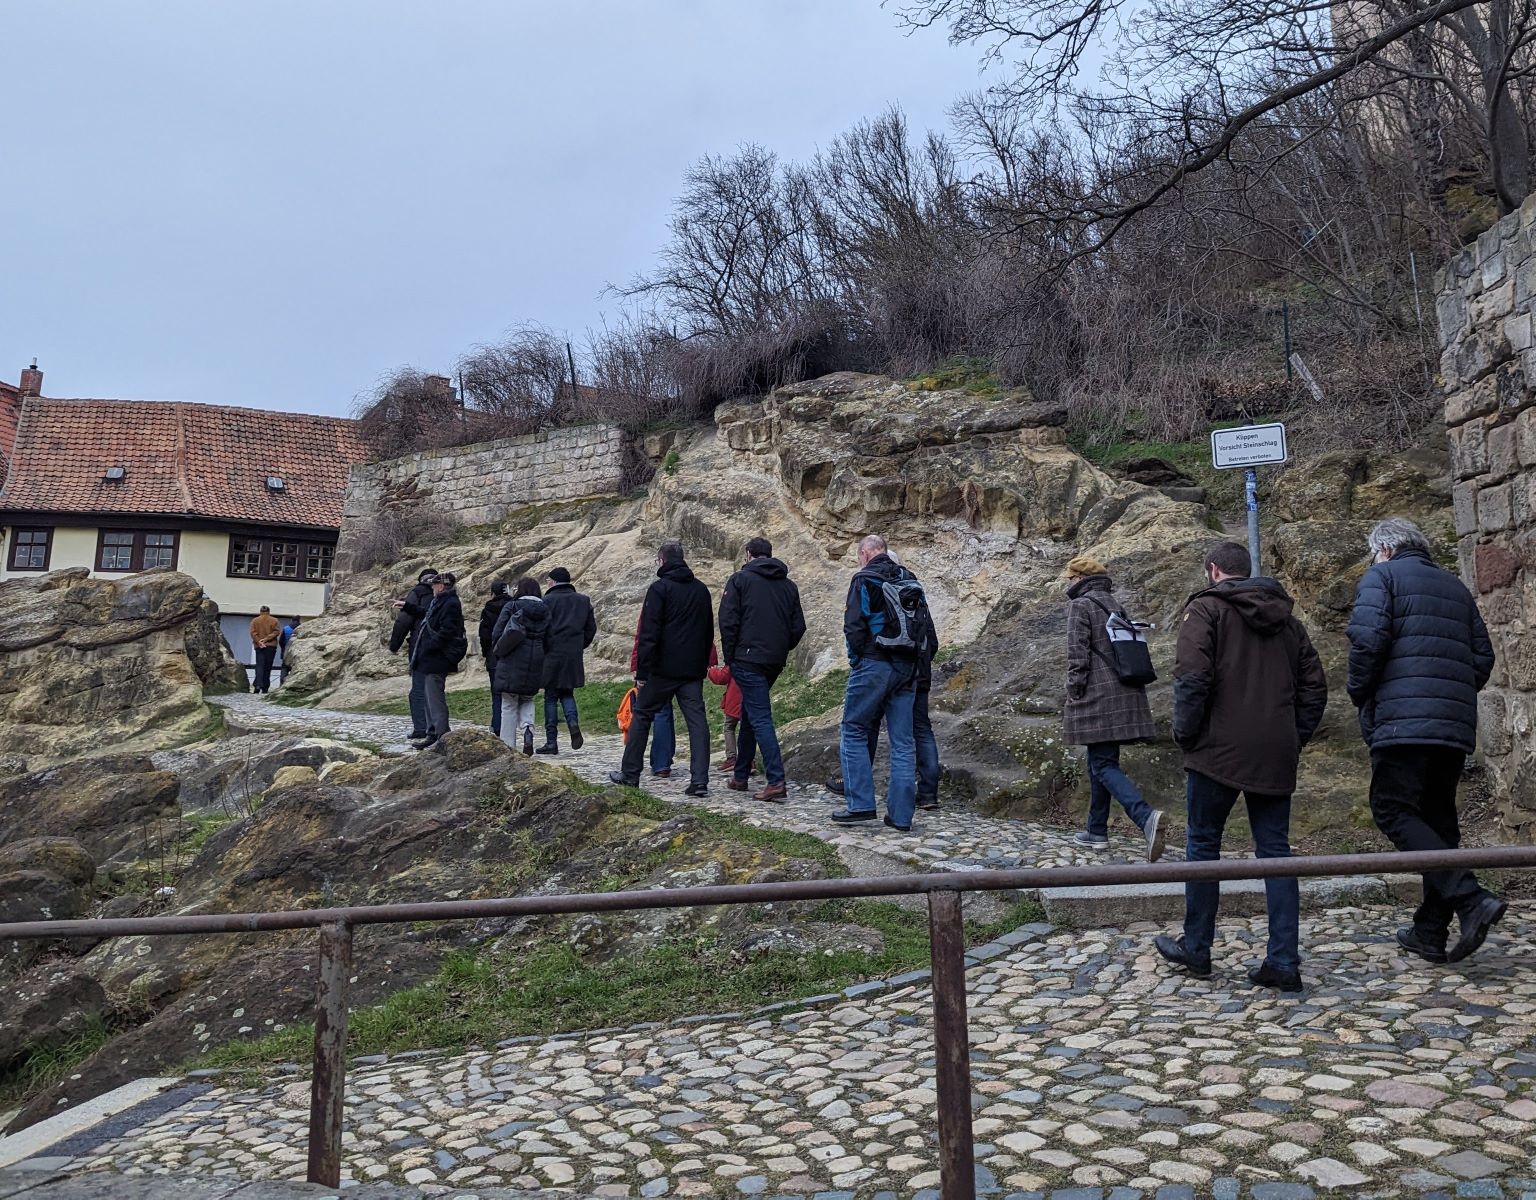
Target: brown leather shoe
(775,793)
(736,785)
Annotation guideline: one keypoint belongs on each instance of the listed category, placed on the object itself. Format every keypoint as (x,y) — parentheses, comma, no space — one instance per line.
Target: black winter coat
(439,644)
(572,627)
(519,644)
(489,615)
(1418,655)
(677,627)
(417,601)
(1248,688)
(760,616)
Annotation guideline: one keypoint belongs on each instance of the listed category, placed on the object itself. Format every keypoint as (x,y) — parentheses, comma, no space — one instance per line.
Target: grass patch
(43,1066)
(974,376)
(1224,489)
(478,999)
(197,828)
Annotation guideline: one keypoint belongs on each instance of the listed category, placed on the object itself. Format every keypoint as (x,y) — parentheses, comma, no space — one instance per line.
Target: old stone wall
(1485,307)
(481,483)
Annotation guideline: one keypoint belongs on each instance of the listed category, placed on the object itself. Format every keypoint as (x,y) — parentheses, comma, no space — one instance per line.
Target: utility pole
(571,360)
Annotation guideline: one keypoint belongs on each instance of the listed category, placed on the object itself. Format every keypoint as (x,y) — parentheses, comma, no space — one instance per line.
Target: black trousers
(651,699)
(1413,802)
(264,657)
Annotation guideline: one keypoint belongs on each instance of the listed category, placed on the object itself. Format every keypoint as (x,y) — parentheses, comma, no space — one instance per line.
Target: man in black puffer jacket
(760,623)
(1418,655)
(672,650)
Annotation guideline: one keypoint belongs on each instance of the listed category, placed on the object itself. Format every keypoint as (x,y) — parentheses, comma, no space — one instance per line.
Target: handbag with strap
(1132,661)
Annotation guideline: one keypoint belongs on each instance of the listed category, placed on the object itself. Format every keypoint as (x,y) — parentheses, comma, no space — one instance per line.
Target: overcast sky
(274,203)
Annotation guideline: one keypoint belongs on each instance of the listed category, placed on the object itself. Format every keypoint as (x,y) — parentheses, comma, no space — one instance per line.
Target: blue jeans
(556,701)
(1106,780)
(757,731)
(495,705)
(925,745)
(1210,804)
(663,739)
(878,688)
(421,723)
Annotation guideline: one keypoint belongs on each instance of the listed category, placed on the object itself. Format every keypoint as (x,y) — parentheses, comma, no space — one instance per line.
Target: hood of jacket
(1262,603)
(676,572)
(559,587)
(768,568)
(532,614)
(1091,583)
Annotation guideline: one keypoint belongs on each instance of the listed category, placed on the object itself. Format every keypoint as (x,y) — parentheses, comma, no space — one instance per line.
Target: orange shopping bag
(626,712)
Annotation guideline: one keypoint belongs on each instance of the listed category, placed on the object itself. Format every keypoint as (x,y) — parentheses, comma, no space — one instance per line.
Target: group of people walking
(1250,693)
(532,640)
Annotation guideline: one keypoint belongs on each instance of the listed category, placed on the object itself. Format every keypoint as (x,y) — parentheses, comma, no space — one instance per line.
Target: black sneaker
(696,789)
(1411,940)
(548,748)
(576,739)
(1475,924)
(928,805)
(848,818)
(835,785)
(1173,950)
(1268,976)
(619,778)
(896,827)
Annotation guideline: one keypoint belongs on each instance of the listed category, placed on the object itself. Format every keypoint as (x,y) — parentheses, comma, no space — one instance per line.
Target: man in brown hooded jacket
(1248,693)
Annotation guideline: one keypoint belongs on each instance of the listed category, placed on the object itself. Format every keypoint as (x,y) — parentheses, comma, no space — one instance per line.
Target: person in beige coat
(1102,713)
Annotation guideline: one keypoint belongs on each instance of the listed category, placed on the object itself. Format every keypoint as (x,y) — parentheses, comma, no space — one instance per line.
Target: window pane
(245,557)
(284,563)
(318,563)
(159,550)
(29,549)
(116,551)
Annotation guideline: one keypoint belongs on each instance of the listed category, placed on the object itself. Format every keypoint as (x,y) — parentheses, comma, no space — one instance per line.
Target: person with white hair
(1419,653)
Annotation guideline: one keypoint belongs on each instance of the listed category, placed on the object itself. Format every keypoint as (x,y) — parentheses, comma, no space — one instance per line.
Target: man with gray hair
(1418,655)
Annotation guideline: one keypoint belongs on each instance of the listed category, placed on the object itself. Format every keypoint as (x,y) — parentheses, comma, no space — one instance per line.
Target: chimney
(439,387)
(31,381)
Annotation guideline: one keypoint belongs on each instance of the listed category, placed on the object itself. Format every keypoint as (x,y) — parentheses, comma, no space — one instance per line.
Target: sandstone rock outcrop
(90,664)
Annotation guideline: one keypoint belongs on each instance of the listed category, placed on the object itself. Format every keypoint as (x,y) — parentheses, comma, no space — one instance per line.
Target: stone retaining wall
(481,483)
(1486,307)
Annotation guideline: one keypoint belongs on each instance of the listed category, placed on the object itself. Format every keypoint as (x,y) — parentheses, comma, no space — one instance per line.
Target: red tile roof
(10,413)
(195,460)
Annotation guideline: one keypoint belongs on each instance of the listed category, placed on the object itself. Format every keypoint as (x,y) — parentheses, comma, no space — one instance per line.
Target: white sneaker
(1090,841)
(1156,835)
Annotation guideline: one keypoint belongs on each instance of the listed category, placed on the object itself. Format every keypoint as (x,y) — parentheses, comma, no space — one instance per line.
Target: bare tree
(409,410)
(518,383)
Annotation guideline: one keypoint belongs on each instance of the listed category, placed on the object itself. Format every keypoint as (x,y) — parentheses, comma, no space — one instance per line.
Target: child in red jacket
(730,705)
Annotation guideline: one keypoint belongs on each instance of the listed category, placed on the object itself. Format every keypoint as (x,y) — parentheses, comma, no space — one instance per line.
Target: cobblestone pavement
(1097,1074)
(952,840)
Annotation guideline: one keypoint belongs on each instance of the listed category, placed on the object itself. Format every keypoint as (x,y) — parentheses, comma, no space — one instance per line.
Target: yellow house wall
(203,555)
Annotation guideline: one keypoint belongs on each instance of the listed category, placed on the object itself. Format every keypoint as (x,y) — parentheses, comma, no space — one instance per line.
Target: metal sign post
(1250,446)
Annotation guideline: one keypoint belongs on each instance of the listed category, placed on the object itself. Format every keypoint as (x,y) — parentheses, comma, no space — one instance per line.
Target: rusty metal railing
(946,946)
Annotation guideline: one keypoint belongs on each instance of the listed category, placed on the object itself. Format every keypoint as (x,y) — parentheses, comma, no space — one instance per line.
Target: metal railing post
(327,1095)
(952,1047)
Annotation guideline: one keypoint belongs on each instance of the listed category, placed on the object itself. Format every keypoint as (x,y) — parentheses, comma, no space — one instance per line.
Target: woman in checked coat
(1101,712)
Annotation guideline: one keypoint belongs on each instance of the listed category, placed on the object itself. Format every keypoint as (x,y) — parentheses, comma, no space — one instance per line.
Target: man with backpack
(760,624)
(1248,694)
(409,611)
(1105,709)
(885,626)
(672,652)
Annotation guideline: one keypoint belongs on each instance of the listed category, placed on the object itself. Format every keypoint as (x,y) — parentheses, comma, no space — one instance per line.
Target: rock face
(87,664)
(1487,312)
(472,821)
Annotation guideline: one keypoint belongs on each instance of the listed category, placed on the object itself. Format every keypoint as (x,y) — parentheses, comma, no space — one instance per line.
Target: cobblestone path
(1099,1074)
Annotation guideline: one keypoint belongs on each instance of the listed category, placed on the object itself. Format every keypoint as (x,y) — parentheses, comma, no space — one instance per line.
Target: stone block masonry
(1486,307)
(481,483)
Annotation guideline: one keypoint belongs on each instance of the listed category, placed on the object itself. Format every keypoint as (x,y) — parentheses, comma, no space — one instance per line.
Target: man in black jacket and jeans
(760,623)
(410,610)
(676,635)
(1418,655)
